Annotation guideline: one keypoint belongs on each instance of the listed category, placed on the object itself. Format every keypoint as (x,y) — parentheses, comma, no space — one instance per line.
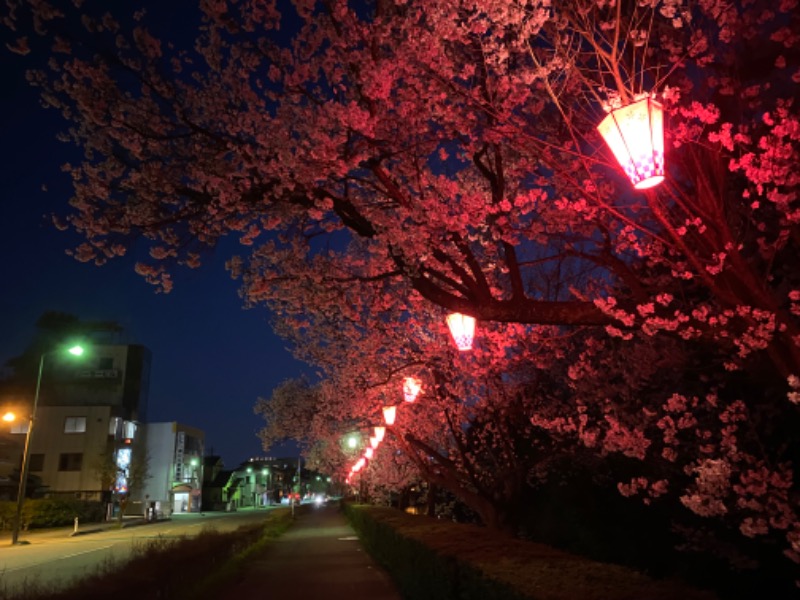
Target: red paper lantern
(462,328)
(411,388)
(635,134)
(368,453)
(374,442)
(389,414)
(379,433)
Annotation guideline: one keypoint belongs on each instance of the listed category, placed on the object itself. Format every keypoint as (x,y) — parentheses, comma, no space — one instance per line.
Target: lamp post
(23,477)
(251,484)
(265,472)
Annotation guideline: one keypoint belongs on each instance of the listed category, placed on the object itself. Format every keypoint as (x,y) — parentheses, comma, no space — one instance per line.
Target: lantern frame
(411,389)
(389,415)
(635,134)
(462,328)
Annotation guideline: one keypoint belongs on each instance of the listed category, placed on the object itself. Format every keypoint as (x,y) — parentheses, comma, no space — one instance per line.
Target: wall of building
(115,375)
(176,458)
(87,417)
(67,447)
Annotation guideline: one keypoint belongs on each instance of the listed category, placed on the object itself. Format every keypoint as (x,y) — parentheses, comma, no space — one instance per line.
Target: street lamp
(252,485)
(23,478)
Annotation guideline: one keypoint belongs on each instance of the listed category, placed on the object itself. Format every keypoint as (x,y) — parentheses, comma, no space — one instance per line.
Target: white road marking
(58,558)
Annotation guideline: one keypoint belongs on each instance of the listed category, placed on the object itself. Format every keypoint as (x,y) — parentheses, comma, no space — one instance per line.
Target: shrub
(440,560)
(50,512)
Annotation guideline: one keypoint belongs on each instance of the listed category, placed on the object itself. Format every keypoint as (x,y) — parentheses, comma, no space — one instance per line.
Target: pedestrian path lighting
(389,415)
(411,388)
(23,477)
(462,328)
(635,134)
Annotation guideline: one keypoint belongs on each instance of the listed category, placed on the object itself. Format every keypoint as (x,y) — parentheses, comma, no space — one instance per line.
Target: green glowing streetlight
(76,350)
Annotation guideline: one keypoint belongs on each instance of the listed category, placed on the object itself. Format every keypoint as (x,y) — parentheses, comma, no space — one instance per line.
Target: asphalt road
(55,557)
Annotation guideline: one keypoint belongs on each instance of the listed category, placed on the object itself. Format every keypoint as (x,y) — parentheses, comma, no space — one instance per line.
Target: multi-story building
(87,440)
(9,455)
(175,454)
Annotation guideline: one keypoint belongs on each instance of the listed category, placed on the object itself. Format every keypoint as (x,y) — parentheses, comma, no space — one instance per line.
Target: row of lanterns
(411,389)
(635,134)
(462,328)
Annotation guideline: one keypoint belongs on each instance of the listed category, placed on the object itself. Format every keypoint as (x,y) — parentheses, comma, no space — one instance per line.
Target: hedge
(432,559)
(50,512)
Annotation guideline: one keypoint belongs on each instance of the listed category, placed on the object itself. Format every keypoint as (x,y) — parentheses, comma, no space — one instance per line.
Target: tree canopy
(387,162)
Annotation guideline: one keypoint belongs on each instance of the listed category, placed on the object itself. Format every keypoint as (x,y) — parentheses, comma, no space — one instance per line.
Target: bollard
(74,531)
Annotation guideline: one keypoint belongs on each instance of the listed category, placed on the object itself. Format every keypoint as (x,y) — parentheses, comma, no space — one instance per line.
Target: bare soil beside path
(319,557)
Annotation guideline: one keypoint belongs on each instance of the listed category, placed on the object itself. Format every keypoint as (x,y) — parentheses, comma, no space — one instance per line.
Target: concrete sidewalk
(319,557)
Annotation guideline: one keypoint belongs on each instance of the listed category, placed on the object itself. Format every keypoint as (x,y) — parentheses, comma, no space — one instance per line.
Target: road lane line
(52,560)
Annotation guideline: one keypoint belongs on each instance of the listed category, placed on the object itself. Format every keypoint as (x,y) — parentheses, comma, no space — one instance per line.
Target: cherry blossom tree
(388,162)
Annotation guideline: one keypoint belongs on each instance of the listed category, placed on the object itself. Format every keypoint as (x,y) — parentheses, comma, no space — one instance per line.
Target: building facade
(87,437)
(176,457)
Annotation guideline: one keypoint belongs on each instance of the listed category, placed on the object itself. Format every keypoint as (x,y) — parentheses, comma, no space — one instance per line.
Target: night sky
(212,359)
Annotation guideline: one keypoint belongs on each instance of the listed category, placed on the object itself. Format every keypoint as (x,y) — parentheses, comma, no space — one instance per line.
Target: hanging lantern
(368,453)
(389,415)
(374,442)
(379,433)
(462,328)
(411,388)
(635,134)
(359,465)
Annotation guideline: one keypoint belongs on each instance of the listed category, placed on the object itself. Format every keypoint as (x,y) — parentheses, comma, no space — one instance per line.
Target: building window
(75,425)
(36,462)
(19,427)
(70,462)
(129,430)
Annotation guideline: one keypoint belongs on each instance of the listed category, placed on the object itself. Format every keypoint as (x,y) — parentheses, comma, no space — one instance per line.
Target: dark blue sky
(211,358)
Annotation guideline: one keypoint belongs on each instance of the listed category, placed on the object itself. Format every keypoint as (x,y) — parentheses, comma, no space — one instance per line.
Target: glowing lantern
(462,328)
(368,453)
(635,134)
(411,388)
(379,433)
(389,414)
(374,442)
(359,465)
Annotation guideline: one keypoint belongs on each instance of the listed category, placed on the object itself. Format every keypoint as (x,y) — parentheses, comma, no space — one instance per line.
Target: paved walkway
(318,557)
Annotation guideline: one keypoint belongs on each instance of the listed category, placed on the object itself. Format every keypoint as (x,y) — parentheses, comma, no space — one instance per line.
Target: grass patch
(176,568)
